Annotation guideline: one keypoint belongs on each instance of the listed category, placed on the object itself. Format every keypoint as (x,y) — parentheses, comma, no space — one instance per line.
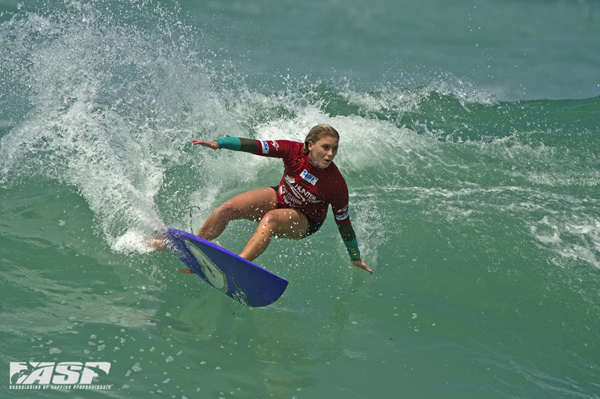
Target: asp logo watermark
(63,375)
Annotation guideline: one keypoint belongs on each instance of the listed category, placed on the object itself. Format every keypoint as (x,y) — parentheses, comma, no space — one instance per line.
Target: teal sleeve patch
(230,143)
(353,251)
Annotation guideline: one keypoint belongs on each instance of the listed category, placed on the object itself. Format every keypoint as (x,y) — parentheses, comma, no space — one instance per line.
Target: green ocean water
(469,140)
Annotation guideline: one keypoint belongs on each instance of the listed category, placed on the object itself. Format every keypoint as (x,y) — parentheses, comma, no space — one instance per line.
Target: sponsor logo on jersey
(297,195)
(265,146)
(308,177)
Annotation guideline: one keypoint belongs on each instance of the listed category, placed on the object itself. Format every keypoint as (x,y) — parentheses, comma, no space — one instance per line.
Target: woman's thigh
(252,205)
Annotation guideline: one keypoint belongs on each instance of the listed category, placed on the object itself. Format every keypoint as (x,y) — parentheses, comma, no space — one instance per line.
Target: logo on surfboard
(213,274)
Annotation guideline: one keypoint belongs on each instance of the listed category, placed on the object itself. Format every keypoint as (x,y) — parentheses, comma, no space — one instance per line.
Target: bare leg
(251,205)
(287,223)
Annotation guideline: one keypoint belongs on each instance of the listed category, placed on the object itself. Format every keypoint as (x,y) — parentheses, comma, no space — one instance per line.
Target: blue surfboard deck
(242,280)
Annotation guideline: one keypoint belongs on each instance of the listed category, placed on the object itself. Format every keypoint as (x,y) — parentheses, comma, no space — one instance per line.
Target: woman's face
(322,152)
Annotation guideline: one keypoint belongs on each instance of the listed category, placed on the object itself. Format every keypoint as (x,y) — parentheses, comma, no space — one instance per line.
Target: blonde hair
(317,133)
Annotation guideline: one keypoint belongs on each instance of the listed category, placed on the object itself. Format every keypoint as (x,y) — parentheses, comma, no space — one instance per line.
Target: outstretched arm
(210,144)
(349,238)
(230,143)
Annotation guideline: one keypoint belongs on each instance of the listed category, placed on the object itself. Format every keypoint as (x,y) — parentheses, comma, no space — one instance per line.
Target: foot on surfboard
(186,271)
(157,243)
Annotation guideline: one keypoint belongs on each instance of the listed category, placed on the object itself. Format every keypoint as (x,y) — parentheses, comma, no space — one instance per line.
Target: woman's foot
(157,243)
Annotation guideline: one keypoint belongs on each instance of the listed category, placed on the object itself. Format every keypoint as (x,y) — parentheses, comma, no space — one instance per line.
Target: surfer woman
(298,206)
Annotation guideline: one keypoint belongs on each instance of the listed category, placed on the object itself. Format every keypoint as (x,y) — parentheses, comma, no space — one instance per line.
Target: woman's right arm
(230,143)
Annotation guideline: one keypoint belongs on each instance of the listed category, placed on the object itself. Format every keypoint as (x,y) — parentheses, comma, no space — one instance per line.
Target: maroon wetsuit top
(306,187)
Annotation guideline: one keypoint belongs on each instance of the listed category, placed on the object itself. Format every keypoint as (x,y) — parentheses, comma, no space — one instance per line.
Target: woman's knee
(270,220)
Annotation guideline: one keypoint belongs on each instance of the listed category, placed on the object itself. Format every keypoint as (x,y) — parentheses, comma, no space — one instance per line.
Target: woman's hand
(361,265)
(210,144)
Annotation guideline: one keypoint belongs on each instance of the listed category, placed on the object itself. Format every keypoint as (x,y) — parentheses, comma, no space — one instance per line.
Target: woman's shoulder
(267,145)
(335,175)
(278,148)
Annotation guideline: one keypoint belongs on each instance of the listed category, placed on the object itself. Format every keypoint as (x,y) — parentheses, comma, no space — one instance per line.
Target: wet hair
(317,133)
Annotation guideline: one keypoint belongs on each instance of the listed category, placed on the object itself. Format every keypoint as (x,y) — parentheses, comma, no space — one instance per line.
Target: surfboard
(240,279)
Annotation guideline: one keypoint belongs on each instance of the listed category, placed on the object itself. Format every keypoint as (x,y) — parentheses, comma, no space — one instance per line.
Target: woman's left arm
(349,238)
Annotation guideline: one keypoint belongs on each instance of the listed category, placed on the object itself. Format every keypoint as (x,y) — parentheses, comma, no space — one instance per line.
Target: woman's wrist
(353,251)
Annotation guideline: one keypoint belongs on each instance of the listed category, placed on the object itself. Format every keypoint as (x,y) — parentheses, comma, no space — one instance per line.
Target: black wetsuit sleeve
(347,232)
(249,145)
